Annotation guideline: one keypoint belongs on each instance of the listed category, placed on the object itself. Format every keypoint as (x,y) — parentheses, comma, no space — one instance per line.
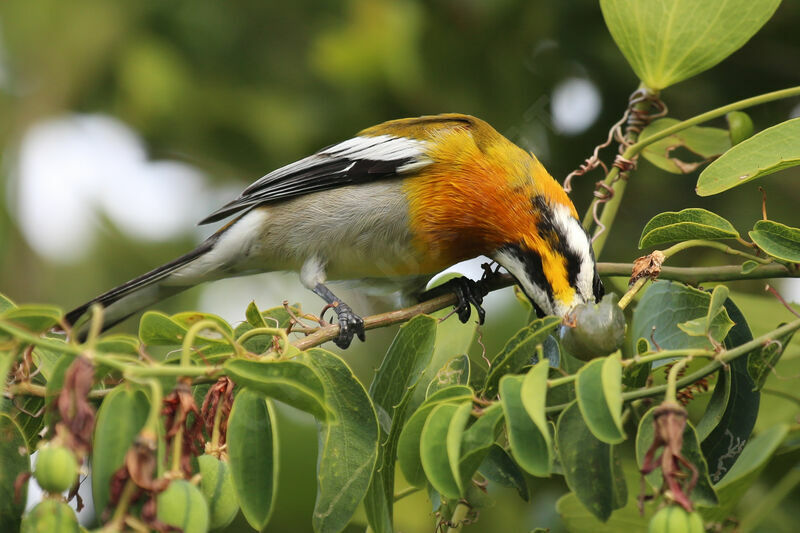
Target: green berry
(50,516)
(182,505)
(598,329)
(675,519)
(56,468)
(217,487)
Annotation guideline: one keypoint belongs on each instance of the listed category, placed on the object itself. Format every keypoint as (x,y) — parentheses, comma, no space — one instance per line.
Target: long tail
(121,302)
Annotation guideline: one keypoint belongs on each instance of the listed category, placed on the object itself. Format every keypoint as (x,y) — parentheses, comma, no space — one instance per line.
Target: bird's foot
(467,291)
(350,325)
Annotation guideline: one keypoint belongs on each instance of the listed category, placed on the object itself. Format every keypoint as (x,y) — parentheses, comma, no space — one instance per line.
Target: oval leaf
(591,468)
(501,469)
(599,390)
(435,449)
(291,382)
(692,223)
(766,152)
(14,461)
(777,240)
(348,443)
(408,452)
(519,351)
(666,41)
(705,143)
(120,418)
(253,456)
(530,443)
(477,440)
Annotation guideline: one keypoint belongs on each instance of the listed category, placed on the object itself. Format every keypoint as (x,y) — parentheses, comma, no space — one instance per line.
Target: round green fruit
(50,516)
(675,519)
(56,468)
(217,486)
(182,505)
(596,329)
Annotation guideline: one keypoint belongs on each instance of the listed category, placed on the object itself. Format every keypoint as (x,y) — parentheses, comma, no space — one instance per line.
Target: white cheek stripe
(517,269)
(577,240)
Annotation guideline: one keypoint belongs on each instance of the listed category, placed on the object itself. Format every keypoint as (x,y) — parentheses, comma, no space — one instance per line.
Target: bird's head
(553,260)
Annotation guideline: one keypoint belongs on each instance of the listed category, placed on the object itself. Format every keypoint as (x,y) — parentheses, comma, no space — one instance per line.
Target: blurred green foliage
(239,88)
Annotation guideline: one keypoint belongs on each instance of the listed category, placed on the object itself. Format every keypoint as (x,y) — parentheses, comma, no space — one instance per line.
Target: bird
(392,206)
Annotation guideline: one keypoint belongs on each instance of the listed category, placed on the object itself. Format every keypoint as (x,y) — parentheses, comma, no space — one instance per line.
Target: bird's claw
(468,292)
(350,325)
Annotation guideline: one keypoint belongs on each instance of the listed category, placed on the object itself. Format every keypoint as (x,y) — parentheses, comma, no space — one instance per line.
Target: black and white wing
(357,160)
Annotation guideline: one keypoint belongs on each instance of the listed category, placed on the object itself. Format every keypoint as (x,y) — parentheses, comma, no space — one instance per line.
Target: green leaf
(14,462)
(32,318)
(456,371)
(716,323)
(753,459)
(599,390)
(478,439)
(762,360)
(663,306)
(348,443)
(452,338)
(778,240)
(391,391)
(748,266)
(408,452)
(289,381)
(578,519)
(158,329)
(667,41)
(501,469)
(120,418)
(691,223)
(6,303)
(439,447)
(519,351)
(635,376)
(766,152)
(590,466)
(740,126)
(530,443)
(703,492)
(118,343)
(252,441)
(254,317)
(725,441)
(707,143)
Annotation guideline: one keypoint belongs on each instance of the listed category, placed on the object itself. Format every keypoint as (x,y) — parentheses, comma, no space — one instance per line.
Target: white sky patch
(795,112)
(68,168)
(575,105)
(790,290)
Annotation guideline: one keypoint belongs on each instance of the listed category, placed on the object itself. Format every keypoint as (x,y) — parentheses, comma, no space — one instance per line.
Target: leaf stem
(618,185)
(457,519)
(672,380)
(693,243)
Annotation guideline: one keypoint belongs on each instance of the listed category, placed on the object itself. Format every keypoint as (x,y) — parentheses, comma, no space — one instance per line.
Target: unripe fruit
(217,486)
(182,505)
(675,519)
(599,329)
(56,468)
(50,516)
(740,126)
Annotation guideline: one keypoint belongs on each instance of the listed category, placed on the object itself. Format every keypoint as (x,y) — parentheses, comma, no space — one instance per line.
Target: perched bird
(394,205)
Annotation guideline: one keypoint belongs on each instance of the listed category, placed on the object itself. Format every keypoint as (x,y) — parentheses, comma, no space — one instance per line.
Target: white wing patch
(378,148)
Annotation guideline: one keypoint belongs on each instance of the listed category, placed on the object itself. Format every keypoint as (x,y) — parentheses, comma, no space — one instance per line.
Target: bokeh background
(124,123)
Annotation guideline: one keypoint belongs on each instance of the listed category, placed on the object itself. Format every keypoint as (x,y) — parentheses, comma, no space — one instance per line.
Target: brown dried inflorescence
(648,266)
(177,406)
(669,422)
(219,396)
(77,414)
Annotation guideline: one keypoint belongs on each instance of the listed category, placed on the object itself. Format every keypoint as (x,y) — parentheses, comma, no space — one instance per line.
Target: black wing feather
(316,173)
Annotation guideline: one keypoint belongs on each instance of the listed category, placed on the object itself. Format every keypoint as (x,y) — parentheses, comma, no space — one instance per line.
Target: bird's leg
(350,324)
(467,292)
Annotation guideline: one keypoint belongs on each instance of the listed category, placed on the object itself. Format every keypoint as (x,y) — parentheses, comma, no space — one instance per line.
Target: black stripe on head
(532,263)
(598,288)
(556,240)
